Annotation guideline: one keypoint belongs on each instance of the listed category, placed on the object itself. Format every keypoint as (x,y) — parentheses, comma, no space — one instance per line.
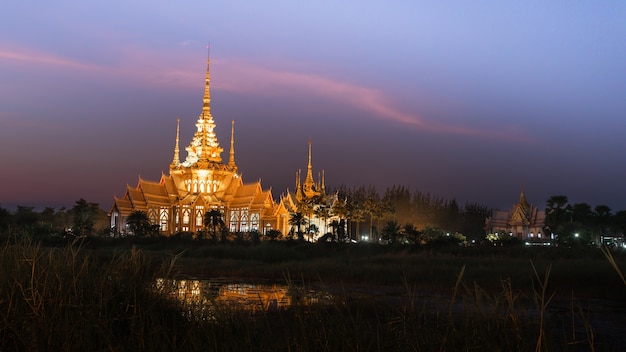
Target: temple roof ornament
(309,184)
(309,189)
(521,212)
(231,159)
(204,145)
(176,160)
(522,200)
(200,182)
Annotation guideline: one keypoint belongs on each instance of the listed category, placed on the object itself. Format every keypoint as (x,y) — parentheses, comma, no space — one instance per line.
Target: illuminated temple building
(523,220)
(311,200)
(179,201)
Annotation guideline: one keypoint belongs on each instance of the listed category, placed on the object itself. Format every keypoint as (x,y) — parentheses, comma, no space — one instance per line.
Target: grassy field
(99,294)
(584,271)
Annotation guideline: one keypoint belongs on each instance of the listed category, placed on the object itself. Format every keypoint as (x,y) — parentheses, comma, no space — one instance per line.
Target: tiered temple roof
(198,183)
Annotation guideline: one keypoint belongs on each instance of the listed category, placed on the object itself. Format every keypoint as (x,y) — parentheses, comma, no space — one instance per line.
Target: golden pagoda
(311,200)
(310,189)
(179,201)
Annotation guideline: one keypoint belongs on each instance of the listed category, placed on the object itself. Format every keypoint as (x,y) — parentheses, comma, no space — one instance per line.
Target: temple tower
(204,146)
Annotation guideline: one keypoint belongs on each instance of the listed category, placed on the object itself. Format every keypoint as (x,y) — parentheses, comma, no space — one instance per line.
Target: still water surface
(229,293)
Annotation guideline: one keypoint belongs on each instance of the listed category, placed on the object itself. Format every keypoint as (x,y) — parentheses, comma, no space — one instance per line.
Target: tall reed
(68,299)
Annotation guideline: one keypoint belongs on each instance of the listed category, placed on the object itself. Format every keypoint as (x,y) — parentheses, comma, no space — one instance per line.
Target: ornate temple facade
(523,221)
(179,201)
(310,200)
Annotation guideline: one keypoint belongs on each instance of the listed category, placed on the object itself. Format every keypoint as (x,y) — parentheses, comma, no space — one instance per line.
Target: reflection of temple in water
(241,295)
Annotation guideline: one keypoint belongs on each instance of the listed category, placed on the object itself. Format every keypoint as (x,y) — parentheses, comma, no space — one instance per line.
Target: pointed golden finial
(308,182)
(299,194)
(176,160)
(207,93)
(231,159)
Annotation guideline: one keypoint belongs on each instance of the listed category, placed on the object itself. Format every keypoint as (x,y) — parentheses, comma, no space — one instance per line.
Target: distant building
(523,221)
(310,199)
(178,201)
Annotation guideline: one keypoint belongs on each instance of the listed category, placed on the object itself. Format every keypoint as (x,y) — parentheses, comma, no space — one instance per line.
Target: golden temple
(179,201)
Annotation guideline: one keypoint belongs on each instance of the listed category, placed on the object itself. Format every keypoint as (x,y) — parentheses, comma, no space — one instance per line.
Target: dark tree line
(366,211)
(582,223)
(82,219)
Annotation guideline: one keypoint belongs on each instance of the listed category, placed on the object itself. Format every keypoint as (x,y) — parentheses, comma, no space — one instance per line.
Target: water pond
(239,294)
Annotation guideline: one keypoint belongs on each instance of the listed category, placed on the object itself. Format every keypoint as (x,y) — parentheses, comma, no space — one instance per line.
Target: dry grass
(77,298)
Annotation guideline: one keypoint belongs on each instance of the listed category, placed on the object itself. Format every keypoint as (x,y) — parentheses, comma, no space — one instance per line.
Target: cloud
(150,68)
(241,77)
(29,56)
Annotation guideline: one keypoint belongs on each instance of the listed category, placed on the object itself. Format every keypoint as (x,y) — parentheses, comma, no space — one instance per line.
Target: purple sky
(470,100)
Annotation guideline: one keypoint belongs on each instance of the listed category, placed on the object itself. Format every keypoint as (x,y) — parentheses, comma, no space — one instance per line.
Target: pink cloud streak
(245,78)
(139,67)
(34,57)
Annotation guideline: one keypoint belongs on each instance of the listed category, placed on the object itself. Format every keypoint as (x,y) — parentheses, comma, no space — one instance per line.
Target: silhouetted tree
(323,212)
(603,217)
(215,220)
(339,209)
(139,223)
(582,219)
(411,234)
(84,216)
(25,217)
(5,220)
(373,207)
(297,220)
(356,211)
(474,216)
(273,234)
(391,232)
(556,214)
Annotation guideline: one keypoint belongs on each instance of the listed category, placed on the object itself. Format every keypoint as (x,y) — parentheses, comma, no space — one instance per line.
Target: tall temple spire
(309,184)
(299,194)
(204,146)
(176,160)
(522,200)
(206,107)
(231,159)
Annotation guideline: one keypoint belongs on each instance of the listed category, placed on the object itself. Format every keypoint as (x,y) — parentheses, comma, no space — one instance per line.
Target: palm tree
(619,222)
(411,233)
(583,219)
(139,223)
(297,220)
(214,218)
(356,211)
(340,209)
(556,207)
(373,207)
(335,226)
(323,212)
(603,218)
(391,231)
(306,207)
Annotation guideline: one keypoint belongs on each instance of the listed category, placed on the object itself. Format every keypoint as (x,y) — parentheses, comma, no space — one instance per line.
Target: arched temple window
(164,215)
(199,216)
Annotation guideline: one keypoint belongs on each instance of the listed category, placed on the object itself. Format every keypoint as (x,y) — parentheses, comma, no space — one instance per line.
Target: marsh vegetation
(101,294)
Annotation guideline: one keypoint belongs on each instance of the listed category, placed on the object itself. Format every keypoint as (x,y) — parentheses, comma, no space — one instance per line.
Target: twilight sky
(470,100)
